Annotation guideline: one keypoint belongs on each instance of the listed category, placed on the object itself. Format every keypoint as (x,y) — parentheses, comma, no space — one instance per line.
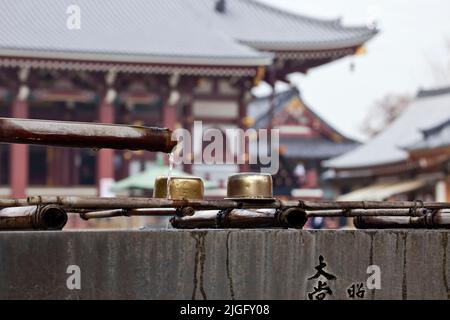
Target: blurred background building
(166,64)
(408,160)
(170,63)
(305,141)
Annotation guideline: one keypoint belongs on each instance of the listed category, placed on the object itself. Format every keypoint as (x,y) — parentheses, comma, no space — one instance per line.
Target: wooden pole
(433,219)
(126,213)
(72,202)
(85,135)
(241,218)
(49,217)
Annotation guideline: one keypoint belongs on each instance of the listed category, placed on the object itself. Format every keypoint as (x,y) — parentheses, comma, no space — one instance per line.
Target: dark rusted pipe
(367,212)
(125,203)
(439,219)
(126,213)
(48,217)
(336,205)
(432,219)
(241,218)
(369,222)
(85,135)
(6,203)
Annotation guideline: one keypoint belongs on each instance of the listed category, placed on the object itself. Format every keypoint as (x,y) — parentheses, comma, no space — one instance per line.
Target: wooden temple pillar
(219,103)
(60,161)
(244,86)
(169,114)
(243,124)
(126,155)
(18,173)
(19,155)
(72,176)
(105,157)
(169,111)
(187,117)
(187,123)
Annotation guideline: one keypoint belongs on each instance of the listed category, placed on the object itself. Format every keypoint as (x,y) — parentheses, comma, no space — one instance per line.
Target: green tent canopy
(146,178)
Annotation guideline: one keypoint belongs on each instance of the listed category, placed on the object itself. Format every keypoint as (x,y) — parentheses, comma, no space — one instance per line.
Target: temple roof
(316,148)
(259,110)
(323,142)
(183,32)
(435,137)
(428,110)
(267,28)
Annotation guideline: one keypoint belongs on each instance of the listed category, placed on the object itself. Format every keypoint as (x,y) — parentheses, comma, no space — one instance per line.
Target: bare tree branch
(383,113)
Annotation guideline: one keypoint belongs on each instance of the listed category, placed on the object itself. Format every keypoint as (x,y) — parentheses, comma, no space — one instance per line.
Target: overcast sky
(414,34)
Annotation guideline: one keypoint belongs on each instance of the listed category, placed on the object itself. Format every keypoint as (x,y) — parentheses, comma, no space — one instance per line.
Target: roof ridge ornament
(425,93)
(220,6)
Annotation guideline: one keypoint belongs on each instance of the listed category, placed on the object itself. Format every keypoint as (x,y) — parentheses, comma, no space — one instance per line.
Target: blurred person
(317,222)
(300,173)
(331,223)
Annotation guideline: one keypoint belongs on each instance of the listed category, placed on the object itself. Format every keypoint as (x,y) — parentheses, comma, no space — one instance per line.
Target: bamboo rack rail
(245,213)
(98,203)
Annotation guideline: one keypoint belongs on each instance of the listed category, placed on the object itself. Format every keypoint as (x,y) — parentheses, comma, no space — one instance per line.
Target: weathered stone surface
(222,264)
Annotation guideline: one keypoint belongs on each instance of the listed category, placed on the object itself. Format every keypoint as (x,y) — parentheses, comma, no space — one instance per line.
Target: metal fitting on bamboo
(49,217)
(293,217)
(85,135)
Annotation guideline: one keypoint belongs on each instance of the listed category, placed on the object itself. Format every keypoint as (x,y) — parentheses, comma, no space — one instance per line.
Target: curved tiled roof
(259,110)
(435,137)
(321,147)
(268,28)
(316,148)
(429,109)
(184,32)
(132,31)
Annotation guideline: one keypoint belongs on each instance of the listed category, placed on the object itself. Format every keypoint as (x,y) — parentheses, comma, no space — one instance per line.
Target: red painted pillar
(242,115)
(105,157)
(169,119)
(169,116)
(18,173)
(187,124)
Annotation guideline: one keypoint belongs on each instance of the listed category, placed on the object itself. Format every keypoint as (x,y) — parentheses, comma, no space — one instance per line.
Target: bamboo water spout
(49,217)
(85,135)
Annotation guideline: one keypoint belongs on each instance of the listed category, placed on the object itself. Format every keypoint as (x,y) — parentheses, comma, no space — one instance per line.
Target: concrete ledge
(222,264)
